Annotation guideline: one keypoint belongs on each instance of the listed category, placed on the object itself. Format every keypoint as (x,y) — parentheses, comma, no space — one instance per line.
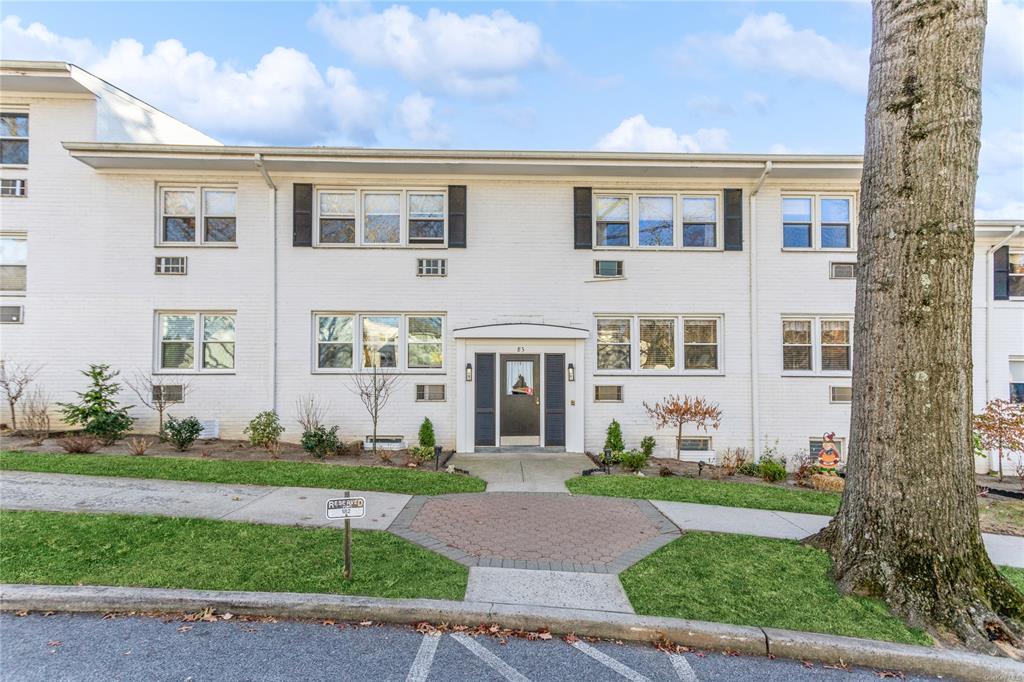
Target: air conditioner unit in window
(843,270)
(429,392)
(12,314)
(432,267)
(169,393)
(385,443)
(171,265)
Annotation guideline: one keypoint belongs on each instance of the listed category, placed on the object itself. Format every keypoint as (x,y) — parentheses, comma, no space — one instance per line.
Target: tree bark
(907,530)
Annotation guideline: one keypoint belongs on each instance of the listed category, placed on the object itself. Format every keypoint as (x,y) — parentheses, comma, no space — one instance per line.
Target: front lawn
(301,474)
(747,580)
(55,548)
(705,491)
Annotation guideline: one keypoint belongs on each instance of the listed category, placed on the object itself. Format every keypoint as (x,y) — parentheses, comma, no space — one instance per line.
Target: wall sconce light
(469,372)
(571,372)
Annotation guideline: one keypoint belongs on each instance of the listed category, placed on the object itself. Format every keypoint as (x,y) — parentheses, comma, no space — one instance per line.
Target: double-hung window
(381,217)
(13,138)
(817,221)
(13,263)
(641,343)
(1016,278)
(337,217)
(657,348)
(389,341)
(613,223)
(426,217)
(700,222)
(613,342)
(197,215)
(813,345)
(700,344)
(1017,381)
(196,342)
(657,220)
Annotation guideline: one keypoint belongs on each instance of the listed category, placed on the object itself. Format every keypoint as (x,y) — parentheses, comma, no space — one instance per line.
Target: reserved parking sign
(346,508)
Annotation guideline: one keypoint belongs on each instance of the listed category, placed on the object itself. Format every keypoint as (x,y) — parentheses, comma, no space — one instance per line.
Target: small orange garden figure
(828,456)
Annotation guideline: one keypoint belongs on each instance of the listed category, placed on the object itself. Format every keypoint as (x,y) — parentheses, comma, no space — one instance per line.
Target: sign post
(347,508)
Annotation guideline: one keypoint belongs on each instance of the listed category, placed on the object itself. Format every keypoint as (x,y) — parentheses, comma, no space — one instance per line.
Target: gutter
(258,160)
(755,388)
(988,304)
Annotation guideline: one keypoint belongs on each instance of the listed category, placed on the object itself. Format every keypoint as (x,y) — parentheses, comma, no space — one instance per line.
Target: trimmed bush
(613,438)
(647,445)
(633,460)
(264,430)
(182,433)
(426,436)
(320,441)
(772,470)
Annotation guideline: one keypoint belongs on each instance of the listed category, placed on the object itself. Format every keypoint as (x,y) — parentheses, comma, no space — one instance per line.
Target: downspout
(755,391)
(258,160)
(989,284)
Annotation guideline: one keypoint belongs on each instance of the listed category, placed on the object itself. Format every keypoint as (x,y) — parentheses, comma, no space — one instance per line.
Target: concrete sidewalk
(539,472)
(226,502)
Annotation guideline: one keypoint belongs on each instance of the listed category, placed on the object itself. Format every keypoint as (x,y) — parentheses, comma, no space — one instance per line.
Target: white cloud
(1001,175)
(1004,42)
(283,99)
(768,42)
(756,100)
(635,134)
(415,115)
(477,54)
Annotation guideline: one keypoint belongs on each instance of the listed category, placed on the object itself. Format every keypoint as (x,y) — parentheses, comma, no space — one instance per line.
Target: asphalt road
(87,647)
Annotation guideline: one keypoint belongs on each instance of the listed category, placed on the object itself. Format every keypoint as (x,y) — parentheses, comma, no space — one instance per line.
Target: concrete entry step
(531,471)
(518,449)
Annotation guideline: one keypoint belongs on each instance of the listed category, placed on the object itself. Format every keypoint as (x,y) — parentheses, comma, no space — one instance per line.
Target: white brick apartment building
(524,298)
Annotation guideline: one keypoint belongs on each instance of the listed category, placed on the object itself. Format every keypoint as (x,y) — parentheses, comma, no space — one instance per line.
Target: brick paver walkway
(545,531)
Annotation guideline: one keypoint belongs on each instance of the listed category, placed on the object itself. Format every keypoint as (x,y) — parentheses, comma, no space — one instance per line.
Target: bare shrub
(79,444)
(35,416)
(733,459)
(310,412)
(375,390)
(15,378)
(138,446)
(152,393)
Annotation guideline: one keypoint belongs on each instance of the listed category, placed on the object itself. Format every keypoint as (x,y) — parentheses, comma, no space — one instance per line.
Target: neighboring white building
(525,298)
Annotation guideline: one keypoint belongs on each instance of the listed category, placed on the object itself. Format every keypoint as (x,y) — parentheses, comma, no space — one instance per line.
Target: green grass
(1014,575)
(704,491)
(302,474)
(747,580)
(56,548)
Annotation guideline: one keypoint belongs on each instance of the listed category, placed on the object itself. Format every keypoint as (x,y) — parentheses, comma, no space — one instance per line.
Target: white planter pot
(981,465)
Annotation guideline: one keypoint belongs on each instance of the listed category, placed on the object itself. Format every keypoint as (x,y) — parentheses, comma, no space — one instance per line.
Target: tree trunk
(14,424)
(907,530)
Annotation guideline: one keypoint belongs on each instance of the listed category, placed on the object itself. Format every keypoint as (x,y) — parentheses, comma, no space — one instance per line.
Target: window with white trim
(381,217)
(14,138)
(605,269)
(641,343)
(426,217)
(432,267)
(817,345)
(180,334)
(412,341)
(1017,381)
(337,217)
(197,216)
(10,187)
(662,220)
(840,394)
(1016,278)
(13,263)
(818,222)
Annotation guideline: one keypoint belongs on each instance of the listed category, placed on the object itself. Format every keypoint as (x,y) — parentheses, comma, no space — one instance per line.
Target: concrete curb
(697,634)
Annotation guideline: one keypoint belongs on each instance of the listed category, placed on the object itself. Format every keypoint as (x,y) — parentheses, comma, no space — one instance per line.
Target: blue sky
(725,76)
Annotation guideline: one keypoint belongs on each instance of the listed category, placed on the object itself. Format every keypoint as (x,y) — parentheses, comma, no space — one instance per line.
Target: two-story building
(523,298)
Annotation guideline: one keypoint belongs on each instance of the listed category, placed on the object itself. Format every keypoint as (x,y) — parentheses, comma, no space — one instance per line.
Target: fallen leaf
(54,642)
(807,664)
(366,622)
(226,616)
(20,614)
(891,674)
(544,635)
(184,628)
(570,638)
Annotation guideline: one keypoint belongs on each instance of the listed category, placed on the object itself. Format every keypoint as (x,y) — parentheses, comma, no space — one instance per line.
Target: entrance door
(519,399)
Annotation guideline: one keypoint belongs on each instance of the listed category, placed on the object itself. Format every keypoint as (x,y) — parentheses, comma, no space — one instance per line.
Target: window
(432,267)
(607,394)
(382,218)
(1017,381)
(337,217)
(841,394)
(12,314)
(817,222)
(613,343)
(817,344)
(424,338)
(700,222)
(13,263)
(181,210)
(657,343)
(1016,279)
(426,217)
(182,333)
(388,341)
(835,345)
(13,188)
(613,220)
(695,443)
(171,265)
(168,393)
(700,344)
(842,270)
(608,268)
(796,345)
(429,393)
(656,221)
(14,138)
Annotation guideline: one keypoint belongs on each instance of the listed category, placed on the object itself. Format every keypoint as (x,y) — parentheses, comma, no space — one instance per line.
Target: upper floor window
(1015,281)
(10,187)
(197,215)
(196,342)
(350,217)
(385,340)
(13,138)
(652,220)
(1017,381)
(817,345)
(817,221)
(13,263)
(654,343)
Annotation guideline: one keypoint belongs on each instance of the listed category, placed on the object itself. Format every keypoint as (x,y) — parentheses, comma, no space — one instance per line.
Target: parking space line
(682,668)
(499,666)
(424,659)
(609,662)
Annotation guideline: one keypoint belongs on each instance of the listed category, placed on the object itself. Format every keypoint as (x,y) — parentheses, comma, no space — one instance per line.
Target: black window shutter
(457,216)
(1001,274)
(583,206)
(733,220)
(302,215)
